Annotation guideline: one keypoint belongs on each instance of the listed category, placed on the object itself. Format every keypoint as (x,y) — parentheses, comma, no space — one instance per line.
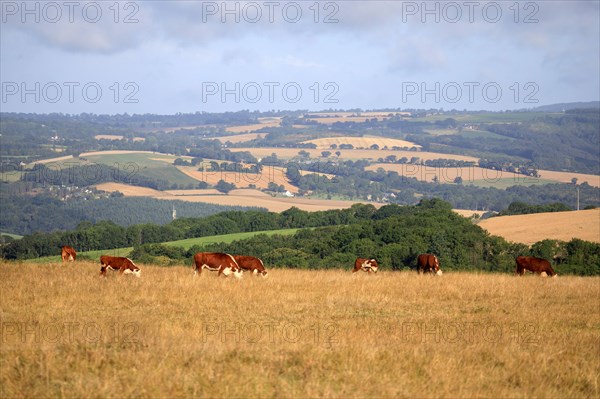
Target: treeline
(395,236)
(109,235)
(27,214)
(352,181)
(522,208)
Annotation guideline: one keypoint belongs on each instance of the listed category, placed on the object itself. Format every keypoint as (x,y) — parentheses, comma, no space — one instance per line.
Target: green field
(488,117)
(503,184)
(144,164)
(187,243)
(226,238)
(13,236)
(467,133)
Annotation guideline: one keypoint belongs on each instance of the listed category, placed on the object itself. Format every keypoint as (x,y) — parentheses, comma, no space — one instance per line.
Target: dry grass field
(67,333)
(361,142)
(529,229)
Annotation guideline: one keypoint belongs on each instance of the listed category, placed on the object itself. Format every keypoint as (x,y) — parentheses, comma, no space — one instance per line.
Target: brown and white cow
(68,254)
(215,261)
(251,264)
(114,263)
(366,265)
(428,263)
(536,265)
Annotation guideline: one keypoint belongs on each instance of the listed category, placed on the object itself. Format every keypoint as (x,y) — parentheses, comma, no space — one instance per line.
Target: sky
(165,57)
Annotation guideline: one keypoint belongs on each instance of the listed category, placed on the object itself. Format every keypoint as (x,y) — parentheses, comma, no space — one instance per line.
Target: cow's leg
(103,271)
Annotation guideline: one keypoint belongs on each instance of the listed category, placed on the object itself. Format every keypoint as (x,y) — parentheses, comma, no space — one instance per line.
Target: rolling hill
(529,229)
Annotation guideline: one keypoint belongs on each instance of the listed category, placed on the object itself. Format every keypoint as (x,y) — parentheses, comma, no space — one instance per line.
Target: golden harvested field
(468,213)
(208,191)
(108,137)
(131,191)
(287,153)
(529,229)
(240,138)
(68,333)
(469,174)
(566,177)
(240,197)
(361,142)
(261,180)
(267,122)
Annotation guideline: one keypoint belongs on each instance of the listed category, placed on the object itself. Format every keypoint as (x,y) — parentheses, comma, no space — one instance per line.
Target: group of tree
(394,234)
(522,208)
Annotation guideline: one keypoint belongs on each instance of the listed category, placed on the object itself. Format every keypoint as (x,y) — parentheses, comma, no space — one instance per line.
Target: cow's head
(237,273)
(374,265)
(262,272)
(133,270)
(436,267)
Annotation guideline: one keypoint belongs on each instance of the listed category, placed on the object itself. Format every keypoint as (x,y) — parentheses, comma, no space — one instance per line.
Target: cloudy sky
(188,56)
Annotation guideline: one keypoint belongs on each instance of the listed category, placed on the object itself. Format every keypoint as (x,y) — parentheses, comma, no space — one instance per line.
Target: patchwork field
(361,142)
(469,174)
(287,153)
(270,174)
(328,118)
(67,333)
(239,197)
(529,229)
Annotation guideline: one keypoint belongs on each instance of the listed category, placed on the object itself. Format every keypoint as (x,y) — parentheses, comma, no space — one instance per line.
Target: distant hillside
(567,106)
(529,229)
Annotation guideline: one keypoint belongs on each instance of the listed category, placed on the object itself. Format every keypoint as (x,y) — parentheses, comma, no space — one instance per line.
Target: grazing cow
(536,265)
(428,263)
(68,254)
(366,265)
(251,264)
(114,263)
(215,261)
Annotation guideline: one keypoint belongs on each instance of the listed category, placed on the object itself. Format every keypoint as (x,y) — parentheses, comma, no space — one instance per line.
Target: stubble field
(68,333)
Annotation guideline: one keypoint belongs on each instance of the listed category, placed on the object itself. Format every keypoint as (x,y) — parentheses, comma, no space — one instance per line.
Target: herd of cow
(236,264)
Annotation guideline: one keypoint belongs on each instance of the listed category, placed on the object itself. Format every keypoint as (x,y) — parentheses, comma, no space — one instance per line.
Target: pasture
(68,333)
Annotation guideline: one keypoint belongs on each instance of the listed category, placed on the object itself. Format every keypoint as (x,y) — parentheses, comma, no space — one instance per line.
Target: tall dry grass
(68,333)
